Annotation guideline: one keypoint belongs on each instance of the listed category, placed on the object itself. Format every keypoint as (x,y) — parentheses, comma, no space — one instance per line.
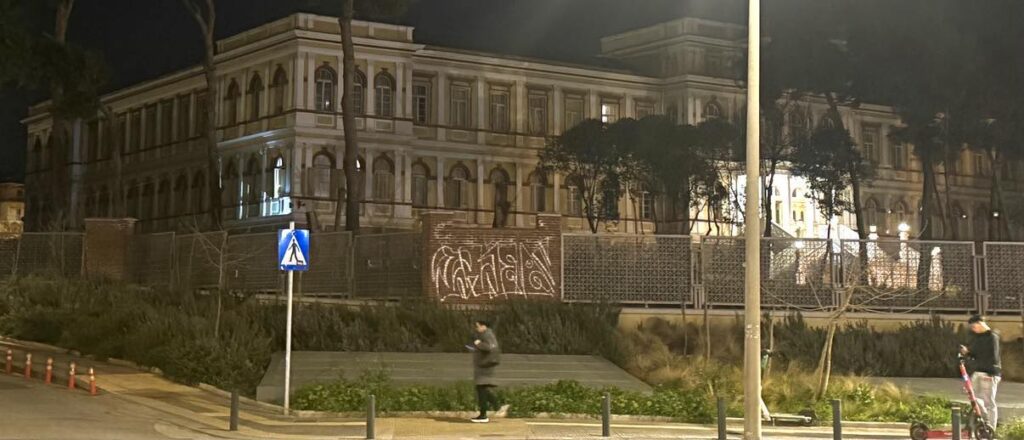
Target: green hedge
(683,402)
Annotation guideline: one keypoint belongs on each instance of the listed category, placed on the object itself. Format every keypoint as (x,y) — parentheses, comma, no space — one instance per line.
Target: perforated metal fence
(43,253)
(795,273)
(151,259)
(1004,276)
(388,265)
(330,262)
(627,269)
(911,275)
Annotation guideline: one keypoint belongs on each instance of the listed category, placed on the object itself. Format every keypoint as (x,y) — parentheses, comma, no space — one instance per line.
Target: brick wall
(106,247)
(471,263)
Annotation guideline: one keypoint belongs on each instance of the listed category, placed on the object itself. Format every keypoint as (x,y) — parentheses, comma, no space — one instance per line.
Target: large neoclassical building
(439,128)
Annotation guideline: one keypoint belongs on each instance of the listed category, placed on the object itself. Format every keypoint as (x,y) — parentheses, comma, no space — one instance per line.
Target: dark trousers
(484,398)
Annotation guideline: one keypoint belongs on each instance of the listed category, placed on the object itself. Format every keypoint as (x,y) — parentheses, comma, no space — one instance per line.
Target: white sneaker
(479,419)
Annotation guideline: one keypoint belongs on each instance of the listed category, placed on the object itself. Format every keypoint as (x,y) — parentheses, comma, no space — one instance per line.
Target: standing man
(986,365)
(486,357)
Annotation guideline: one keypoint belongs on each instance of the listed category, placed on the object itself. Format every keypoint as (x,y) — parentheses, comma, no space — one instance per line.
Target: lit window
(609,111)
(712,111)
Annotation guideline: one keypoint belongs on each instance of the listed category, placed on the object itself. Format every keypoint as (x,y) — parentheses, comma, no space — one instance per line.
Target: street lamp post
(752,230)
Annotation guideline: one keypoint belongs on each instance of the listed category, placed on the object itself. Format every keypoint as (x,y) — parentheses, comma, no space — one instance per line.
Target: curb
(226,394)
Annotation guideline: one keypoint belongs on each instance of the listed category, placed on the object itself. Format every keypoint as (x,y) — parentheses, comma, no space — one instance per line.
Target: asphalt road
(33,410)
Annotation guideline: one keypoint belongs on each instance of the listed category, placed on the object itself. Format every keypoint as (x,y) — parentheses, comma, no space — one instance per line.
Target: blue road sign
(293,249)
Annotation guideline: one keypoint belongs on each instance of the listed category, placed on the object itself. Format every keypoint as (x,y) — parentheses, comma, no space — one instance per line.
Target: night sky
(143,39)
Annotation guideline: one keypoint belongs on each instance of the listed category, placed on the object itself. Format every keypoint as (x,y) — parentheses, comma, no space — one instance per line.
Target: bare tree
(205,14)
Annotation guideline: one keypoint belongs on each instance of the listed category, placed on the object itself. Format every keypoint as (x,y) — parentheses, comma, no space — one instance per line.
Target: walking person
(985,364)
(486,357)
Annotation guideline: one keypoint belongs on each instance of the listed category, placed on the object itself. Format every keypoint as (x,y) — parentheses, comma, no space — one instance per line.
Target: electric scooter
(977,425)
(805,418)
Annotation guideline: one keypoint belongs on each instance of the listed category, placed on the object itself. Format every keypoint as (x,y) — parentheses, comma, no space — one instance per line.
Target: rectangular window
(644,109)
(609,111)
(460,107)
(899,157)
(150,126)
(499,98)
(166,120)
(135,139)
(869,143)
(574,110)
(538,112)
(421,101)
(646,206)
(979,165)
(184,105)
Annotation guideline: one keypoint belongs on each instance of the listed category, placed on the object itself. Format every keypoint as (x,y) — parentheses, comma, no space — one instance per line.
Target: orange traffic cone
(49,371)
(92,382)
(10,361)
(28,365)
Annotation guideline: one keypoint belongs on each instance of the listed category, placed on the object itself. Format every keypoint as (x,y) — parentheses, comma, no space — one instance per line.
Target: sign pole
(288,337)
(752,232)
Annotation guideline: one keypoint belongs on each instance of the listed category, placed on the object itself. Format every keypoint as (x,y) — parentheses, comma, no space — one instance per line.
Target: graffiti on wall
(493,269)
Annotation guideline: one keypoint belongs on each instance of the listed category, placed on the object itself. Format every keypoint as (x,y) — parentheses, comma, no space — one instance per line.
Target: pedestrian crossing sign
(293,249)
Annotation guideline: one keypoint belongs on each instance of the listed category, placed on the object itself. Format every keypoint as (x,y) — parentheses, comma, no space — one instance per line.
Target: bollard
(71,376)
(10,361)
(371,417)
(233,423)
(956,422)
(48,379)
(92,381)
(606,416)
(721,418)
(28,365)
(837,419)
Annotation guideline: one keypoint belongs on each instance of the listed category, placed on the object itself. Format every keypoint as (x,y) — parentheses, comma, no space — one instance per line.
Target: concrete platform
(309,367)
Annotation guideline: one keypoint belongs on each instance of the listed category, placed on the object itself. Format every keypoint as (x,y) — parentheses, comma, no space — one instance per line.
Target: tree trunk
(348,118)
(339,209)
(927,207)
(707,337)
(58,185)
(862,228)
(212,155)
(824,370)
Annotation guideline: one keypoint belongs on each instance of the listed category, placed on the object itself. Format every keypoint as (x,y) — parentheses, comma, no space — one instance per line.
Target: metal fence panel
(8,254)
(1004,276)
(388,265)
(50,253)
(195,255)
(329,264)
(638,269)
(151,259)
(911,275)
(250,263)
(795,273)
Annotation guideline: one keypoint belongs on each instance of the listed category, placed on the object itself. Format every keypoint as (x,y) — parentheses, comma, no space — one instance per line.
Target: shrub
(1013,430)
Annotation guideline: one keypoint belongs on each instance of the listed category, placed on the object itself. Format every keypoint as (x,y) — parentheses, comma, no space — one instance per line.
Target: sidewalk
(202,413)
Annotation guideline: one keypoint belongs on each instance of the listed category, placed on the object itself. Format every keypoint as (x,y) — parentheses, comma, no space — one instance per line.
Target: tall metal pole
(288,337)
(752,230)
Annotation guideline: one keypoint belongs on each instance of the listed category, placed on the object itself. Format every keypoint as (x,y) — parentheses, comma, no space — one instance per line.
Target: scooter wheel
(918,431)
(985,432)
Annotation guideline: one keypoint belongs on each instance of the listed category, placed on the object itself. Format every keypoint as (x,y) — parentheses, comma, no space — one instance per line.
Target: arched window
(457,189)
(103,202)
(899,216)
(277,91)
(384,85)
(981,216)
(326,79)
(280,176)
(359,93)
(712,110)
(961,223)
(199,193)
(163,203)
(499,181)
(538,191)
(322,166)
(131,201)
(231,104)
(37,156)
(419,184)
(148,194)
(871,214)
(232,194)
(251,191)
(255,96)
(181,195)
(383,179)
